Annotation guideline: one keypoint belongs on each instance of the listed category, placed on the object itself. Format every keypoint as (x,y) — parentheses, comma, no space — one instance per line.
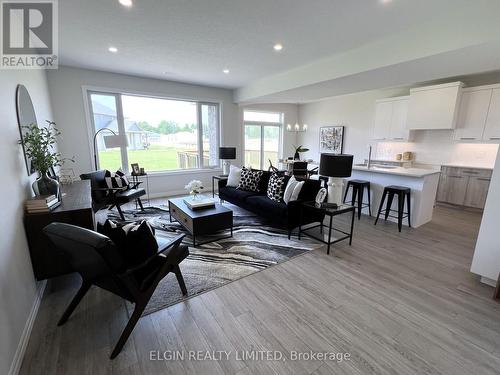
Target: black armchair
(102,196)
(98,261)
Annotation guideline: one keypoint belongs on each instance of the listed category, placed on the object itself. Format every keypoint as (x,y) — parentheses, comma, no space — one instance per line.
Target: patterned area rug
(254,246)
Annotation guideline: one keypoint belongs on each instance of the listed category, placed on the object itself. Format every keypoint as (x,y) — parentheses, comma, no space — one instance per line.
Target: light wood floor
(398,303)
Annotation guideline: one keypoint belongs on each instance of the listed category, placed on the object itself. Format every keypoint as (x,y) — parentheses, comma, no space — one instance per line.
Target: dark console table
(76,209)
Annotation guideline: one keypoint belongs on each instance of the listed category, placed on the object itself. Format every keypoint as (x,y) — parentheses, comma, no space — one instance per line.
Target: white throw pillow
(233,180)
(289,189)
(296,191)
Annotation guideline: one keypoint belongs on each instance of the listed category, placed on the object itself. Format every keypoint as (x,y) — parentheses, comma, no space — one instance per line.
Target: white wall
(65,86)
(356,113)
(486,260)
(18,289)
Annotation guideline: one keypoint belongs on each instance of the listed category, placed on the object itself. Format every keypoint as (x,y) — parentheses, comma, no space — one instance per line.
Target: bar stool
(358,187)
(402,192)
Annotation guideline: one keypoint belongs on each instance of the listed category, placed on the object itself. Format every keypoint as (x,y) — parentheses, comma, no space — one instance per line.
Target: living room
(197,187)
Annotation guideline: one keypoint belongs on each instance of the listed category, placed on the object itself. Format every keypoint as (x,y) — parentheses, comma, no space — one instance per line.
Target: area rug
(255,246)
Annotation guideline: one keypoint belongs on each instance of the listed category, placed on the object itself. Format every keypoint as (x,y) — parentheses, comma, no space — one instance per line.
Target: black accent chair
(103,196)
(299,170)
(98,261)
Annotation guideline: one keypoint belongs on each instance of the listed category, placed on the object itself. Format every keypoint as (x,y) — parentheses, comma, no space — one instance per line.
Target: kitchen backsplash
(438,147)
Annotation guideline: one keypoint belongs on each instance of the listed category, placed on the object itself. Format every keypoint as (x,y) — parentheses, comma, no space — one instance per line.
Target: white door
(398,129)
(492,128)
(472,115)
(382,123)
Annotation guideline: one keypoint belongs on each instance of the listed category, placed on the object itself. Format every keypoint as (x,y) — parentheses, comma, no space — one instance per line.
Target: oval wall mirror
(25,117)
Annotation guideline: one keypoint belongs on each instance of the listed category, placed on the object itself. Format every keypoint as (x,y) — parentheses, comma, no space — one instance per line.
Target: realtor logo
(29,34)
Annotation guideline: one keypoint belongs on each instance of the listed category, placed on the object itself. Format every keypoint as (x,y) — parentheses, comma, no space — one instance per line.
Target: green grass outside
(157,158)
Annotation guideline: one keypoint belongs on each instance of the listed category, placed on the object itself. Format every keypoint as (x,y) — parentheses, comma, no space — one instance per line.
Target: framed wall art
(331,139)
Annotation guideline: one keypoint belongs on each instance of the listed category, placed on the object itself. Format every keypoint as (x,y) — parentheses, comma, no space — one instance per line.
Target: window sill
(186,172)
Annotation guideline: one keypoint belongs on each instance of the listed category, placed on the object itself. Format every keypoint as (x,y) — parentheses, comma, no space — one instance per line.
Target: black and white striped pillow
(276,187)
(118,180)
(249,180)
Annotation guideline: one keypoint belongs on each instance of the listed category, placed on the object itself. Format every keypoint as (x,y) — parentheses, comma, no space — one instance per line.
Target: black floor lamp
(111,141)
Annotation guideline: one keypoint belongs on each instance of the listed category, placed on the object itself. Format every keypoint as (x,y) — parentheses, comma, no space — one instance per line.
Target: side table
(220,177)
(138,179)
(331,212)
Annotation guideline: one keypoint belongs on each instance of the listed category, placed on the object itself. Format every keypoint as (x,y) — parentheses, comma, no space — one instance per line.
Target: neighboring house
(105,117)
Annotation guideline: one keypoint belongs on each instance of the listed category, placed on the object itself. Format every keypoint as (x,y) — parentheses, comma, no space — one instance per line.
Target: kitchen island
(422,182)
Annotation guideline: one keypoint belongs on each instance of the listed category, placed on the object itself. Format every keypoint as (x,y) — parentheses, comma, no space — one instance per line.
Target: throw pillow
(118,180)
(141,242)
(233,179)
(136,241)
(275,188)
(296,191)
(249,180)
(292,182)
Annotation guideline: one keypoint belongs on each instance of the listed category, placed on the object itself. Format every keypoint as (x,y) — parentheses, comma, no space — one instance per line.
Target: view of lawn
(156,158)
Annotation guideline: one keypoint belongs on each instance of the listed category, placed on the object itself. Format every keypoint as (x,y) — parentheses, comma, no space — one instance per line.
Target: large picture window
(162,134)
(262,138)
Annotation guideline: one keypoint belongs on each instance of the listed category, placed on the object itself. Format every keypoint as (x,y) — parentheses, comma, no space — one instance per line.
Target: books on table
(41,204)
(199,204)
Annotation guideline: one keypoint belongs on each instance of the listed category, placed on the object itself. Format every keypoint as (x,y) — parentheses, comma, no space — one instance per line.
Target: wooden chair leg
(180,280)
(140,204)
(74,302)
(120,212)
(139,308)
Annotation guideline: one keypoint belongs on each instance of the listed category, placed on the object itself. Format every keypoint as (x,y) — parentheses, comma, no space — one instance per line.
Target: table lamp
(226,154)
(335,167)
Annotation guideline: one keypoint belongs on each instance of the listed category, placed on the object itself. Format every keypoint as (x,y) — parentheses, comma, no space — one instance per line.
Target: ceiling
(194,40)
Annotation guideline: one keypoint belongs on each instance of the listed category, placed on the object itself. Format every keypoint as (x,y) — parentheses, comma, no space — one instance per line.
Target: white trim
(184,172)
(25,336)
(488,281)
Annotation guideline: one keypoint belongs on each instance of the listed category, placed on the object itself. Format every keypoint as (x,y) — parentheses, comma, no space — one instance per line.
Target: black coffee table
(206,221)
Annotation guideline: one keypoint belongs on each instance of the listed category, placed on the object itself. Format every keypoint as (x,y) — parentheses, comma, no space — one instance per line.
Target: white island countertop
(398,171)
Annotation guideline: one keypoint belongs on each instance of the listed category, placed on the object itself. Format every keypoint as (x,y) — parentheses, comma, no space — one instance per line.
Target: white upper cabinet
(382,124)
(390,119)
(472,114)
(492,127)
(434,107)
(398,130)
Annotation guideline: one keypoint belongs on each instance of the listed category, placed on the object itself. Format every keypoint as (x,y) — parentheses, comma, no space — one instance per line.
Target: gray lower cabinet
(464,186)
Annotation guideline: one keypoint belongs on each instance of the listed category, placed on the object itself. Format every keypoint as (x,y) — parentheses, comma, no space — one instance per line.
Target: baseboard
(488,281)
(25,337)
(174,193)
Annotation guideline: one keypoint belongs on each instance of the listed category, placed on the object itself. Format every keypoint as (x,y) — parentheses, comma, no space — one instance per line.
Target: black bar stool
(358,187)
(402,192)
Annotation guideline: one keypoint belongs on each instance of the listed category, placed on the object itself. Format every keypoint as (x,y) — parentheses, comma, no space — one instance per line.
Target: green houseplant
(39,146)
(298,150)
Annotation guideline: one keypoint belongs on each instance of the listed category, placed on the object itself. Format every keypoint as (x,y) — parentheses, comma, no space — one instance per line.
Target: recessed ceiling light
(225,71)
(278,47)
(113,49)
(385,1)
(125,3)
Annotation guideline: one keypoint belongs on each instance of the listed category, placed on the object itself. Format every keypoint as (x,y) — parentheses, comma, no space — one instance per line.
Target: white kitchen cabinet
(382,123)
(390,119)
(492,127)
(398,129)
(434,107)
(472,114)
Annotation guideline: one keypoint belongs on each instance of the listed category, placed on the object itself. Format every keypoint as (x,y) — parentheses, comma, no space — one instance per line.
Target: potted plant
(194,187)
(298,150)
(39,144)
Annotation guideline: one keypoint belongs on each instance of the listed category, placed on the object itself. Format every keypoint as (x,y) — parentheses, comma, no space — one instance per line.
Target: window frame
(262,125)
(89,115)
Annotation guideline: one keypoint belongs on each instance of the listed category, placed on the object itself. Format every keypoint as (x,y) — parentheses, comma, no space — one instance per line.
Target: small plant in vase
(194,187)
(39,145)
(298,151)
